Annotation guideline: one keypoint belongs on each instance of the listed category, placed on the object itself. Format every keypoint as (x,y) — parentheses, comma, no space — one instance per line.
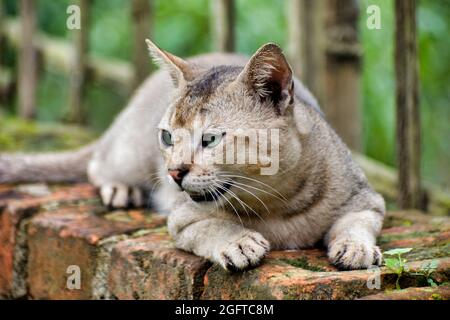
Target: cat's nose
(178,174)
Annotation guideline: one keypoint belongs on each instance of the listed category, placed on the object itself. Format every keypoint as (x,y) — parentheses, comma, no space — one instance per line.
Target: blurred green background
(183,27)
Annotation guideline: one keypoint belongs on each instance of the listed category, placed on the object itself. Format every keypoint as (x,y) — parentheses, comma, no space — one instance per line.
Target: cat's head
(226,127)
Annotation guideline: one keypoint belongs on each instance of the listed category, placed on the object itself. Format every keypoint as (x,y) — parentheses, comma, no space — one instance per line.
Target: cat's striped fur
(318,193)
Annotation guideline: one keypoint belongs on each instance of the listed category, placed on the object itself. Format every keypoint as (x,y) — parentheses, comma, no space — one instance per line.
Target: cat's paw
(248,251)
(349,254)
(121,196)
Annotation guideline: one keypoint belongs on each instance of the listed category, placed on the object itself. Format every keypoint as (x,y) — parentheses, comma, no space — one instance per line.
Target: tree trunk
(58,54)
(141,13)
(2,35)
(306,49)
(27,61)
(342,103)
(223,12)
(79,75)
(324,52)
(408,118)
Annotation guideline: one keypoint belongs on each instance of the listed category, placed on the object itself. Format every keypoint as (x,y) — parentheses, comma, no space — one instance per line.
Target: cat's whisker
(248,206)
(263,191)
(227,175)
(218,197)
(239,200)
(222,188)
(152,177)
(256,197)
(155,184)
(210,191)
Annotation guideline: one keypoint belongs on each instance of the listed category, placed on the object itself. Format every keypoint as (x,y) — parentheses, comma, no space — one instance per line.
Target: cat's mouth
(213,195)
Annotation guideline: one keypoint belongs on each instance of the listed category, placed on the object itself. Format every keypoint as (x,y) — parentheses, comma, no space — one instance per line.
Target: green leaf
(430,267)
(397,251)
(433,264)
(431,282)
(393,264)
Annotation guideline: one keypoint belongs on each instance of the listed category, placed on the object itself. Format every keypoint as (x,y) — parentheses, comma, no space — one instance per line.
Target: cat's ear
(269,76)
(180,70)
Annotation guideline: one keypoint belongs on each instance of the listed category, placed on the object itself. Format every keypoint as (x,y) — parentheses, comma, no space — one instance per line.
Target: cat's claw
(349,254)
(121,196)
(248,251)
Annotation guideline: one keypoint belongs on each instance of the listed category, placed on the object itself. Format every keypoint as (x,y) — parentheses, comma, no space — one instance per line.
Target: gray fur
(50,167)
(325,195)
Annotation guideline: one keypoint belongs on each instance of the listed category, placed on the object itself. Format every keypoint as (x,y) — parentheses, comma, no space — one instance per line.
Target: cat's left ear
(269,76)
(180,70)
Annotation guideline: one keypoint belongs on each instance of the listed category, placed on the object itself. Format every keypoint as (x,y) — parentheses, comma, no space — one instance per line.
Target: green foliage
(303,263)
(184,27)
(397,264)
(378,87)
(378,84)
(259,22)
(427,270)
(434,67)
(21,135)
(398,251)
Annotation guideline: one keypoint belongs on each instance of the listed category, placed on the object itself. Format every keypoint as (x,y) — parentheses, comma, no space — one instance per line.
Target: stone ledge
(129,255)
(438,293)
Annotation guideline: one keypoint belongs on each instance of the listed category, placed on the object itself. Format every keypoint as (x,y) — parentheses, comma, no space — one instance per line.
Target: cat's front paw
(121,196)
(349,254)
(245,252)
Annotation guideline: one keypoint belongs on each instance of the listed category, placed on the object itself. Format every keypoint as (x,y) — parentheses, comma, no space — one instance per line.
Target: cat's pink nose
(178,174)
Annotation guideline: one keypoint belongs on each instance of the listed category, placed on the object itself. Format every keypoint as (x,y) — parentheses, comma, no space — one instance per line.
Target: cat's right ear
(180,70)
(269,76)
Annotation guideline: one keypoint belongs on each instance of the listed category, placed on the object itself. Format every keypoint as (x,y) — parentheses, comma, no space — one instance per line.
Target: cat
(228,212)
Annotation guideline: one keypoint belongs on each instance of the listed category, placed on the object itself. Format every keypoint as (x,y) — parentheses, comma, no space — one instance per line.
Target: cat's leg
(351,241)
(118,195)
(216,237)
(113,192)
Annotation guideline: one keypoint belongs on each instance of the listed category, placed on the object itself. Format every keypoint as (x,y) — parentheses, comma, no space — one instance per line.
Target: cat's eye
(211,140)
(166,138)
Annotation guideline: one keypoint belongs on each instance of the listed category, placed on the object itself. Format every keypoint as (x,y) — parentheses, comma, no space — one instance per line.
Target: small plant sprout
(426,270)
(396,263)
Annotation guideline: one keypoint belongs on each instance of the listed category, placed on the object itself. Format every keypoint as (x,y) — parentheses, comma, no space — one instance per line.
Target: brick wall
(129,255)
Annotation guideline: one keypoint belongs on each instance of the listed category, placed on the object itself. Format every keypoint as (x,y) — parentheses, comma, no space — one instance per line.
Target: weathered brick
(428,236)
(411,218)
(275,280)
(128,255)
(10,218)
(428,293)
(18,203)
(70,236)
(150,267)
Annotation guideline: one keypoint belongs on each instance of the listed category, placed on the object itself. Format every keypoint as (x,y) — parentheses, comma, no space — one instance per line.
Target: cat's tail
(69,166)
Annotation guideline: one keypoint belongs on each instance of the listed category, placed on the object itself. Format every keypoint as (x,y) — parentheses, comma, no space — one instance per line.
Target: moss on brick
(426,253)
(436,296)
(30,136)
(303,263)
(386,238)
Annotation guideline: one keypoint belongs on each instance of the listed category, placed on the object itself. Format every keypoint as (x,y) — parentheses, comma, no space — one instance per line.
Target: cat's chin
(210,196)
